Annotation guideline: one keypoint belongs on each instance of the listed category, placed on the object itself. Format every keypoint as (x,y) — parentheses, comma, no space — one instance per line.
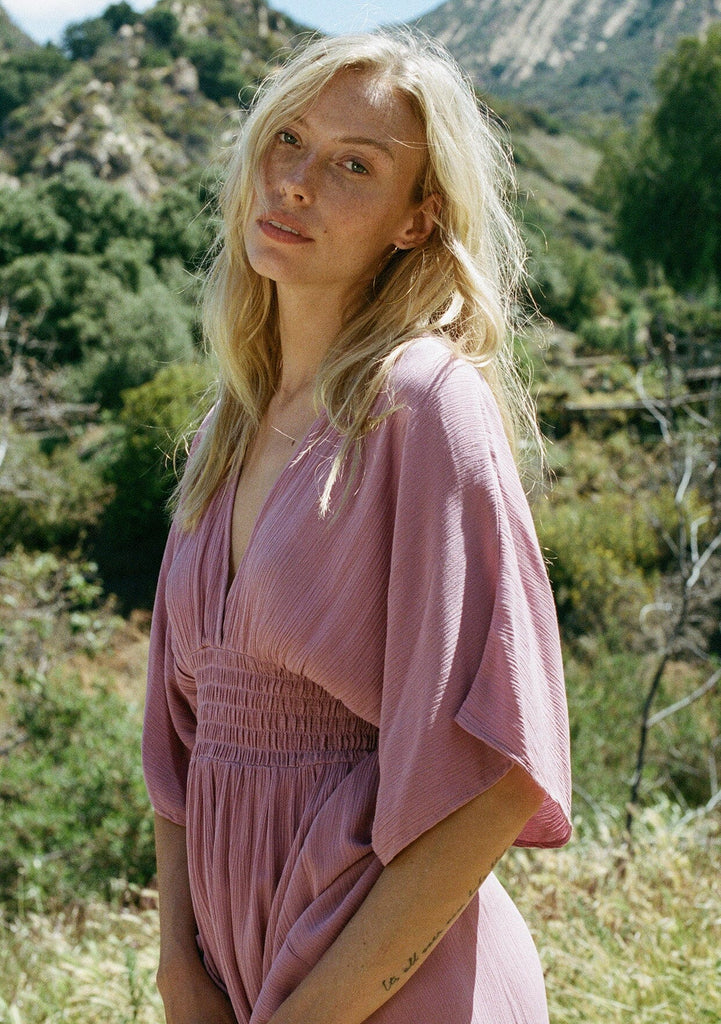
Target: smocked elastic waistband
(251,714)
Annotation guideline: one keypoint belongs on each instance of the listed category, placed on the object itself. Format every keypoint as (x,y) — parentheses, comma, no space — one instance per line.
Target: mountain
(11,37)
(568,57)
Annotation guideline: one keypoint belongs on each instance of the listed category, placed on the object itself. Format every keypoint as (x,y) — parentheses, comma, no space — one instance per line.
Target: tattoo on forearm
(415,958)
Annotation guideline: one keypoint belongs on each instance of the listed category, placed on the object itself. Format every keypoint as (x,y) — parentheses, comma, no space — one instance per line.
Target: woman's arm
(413,903)
(189,994)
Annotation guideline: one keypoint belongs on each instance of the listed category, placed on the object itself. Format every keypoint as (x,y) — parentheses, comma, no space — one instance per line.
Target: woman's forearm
(416,898)
(189,994)
(177,920)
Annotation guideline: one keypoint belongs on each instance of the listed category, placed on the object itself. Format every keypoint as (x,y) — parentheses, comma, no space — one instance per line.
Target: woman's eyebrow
(357,140)
(362,140)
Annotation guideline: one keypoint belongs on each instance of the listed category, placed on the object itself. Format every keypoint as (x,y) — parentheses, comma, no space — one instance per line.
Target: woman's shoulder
(433,383)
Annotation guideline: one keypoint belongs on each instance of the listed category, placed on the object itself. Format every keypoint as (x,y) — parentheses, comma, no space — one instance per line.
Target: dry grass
(95,966)
(628,938)
(622,938)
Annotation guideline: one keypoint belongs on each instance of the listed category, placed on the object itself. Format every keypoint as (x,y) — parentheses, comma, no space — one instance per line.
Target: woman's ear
(421,223)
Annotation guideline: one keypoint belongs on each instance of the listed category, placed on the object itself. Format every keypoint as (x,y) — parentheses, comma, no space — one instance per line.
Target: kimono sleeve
(169,723)
(473,679)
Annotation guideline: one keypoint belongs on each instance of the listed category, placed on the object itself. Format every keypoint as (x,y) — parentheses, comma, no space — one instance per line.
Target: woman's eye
(356,166)
(288,138)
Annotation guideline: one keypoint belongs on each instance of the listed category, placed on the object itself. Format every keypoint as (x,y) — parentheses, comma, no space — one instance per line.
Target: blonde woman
(355,700)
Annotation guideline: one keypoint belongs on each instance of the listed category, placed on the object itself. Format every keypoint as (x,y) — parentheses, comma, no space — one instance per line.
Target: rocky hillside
(142,98)
(569,57)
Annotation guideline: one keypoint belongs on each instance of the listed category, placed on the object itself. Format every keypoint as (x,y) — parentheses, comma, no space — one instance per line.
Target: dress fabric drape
(363,675)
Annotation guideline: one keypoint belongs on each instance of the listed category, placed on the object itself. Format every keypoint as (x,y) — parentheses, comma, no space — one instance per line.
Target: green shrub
(604,687)
(28,72)
(162,27)
(131,341)
(74,815)
(142,474)
(618,338)
(29,224)
(565,284)
(47,501)
(182,223)
(86,312)
(52,609)
(603,556)
(153,57)
(83,39)
(96,211)
(219,75)
(119,14)
(97,279)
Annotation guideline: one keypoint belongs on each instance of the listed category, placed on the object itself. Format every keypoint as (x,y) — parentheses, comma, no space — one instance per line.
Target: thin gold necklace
(293,440)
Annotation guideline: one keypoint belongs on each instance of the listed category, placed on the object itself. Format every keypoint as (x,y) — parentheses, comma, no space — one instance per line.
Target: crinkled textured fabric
(363,675)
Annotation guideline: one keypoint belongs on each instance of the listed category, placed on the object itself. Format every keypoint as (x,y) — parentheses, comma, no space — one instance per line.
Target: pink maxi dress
(362,676)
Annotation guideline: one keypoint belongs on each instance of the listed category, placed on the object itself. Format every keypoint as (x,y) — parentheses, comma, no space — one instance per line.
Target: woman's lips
(281,231)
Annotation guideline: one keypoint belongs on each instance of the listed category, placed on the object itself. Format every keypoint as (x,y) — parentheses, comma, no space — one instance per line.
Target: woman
(355,698)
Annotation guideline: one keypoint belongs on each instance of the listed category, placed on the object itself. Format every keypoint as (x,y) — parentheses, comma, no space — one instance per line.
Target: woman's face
(337,191)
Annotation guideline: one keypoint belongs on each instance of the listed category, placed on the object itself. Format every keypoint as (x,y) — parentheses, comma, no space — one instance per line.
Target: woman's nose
(297,179)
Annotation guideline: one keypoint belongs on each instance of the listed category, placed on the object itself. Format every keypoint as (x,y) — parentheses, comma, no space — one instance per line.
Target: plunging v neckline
(231,577)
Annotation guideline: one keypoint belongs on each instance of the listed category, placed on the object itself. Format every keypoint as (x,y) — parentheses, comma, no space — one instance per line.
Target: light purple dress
(361,677)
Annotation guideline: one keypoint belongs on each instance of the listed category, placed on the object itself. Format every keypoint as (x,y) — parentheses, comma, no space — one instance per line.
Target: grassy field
(623,938)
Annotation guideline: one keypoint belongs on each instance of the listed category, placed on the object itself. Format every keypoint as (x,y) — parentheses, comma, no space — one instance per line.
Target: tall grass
(88,965)
(628,936)
(622,937)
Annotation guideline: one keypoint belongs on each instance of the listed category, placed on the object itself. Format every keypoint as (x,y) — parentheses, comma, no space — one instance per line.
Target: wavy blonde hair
(462,284)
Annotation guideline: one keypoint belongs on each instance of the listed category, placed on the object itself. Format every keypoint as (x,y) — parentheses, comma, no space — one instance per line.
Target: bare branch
(685,480)
(663,608)
(698,812)
(685,701)
(694,536)
(653,408)
(641,752)
(703,421)
(701,562)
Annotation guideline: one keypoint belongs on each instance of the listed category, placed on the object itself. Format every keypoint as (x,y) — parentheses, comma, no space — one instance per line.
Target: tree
(83,39)
(669,201)
(219,75)
(120,14)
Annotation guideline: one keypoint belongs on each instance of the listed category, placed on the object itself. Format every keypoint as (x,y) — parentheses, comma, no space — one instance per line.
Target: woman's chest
(308,594)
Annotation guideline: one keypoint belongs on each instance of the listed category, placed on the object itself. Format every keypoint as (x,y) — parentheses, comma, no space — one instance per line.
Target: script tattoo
(414,958)
(390,982)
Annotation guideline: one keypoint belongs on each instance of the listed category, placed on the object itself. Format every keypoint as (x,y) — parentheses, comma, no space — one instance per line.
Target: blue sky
(46,19)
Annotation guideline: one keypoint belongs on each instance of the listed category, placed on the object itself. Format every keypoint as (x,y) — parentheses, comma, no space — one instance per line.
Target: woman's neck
(308,325)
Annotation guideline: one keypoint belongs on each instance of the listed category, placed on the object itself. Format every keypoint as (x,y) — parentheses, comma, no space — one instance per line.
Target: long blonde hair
(462,284)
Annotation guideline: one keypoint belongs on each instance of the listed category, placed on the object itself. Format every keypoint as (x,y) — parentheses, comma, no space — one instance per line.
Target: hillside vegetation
(109,168)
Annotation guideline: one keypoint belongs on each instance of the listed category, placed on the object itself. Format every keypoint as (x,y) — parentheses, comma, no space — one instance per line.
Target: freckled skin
(351,201)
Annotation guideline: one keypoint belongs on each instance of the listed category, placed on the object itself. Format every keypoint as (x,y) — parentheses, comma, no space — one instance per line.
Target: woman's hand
(190,996)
